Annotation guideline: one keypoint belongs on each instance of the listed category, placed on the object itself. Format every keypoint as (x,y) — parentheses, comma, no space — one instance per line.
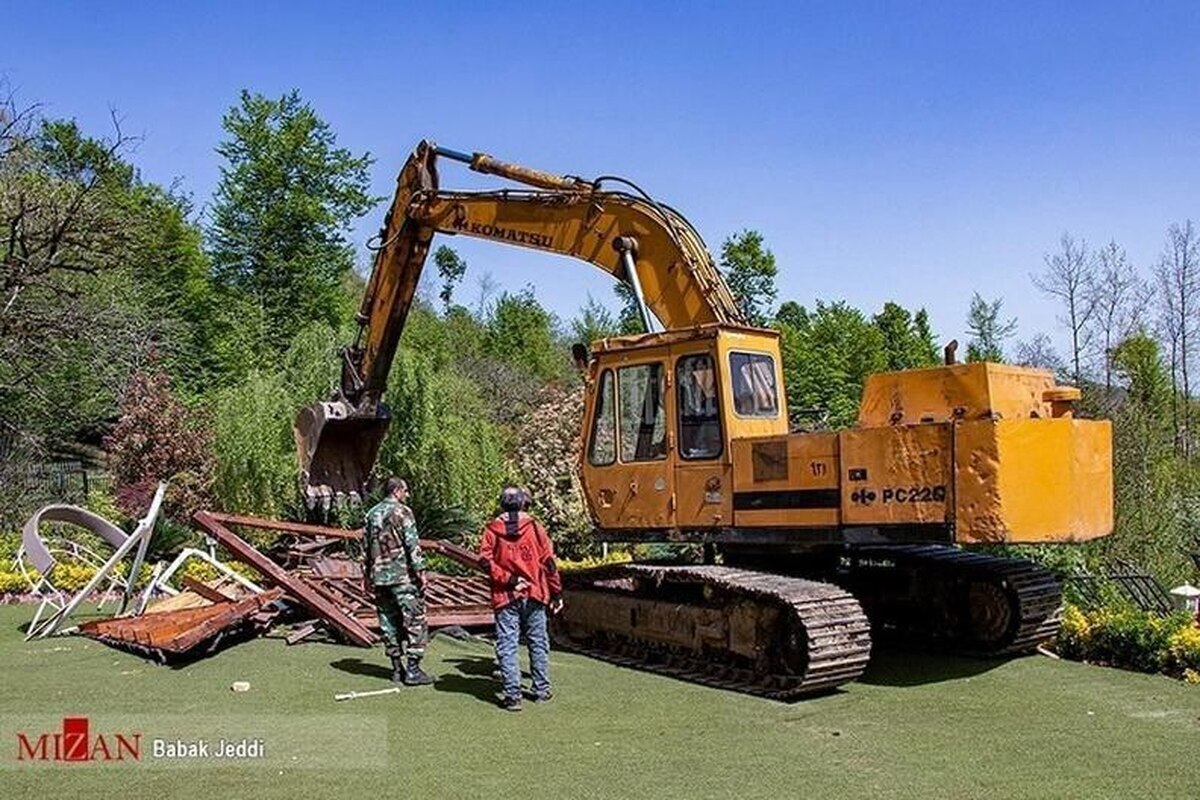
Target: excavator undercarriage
(799,626)
(749,631)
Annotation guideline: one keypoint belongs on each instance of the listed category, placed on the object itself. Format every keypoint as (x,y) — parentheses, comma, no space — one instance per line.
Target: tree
(827,355)
(282,211)
(988,331)
(750,271)
(63,198)
(1069,277)
(594,322)
(451,267)
(1138,362)
(521,332)
(98,270)
(629,320)
(1039,352)
(907,340)
(158,438)
(1178,278)
(1116,292)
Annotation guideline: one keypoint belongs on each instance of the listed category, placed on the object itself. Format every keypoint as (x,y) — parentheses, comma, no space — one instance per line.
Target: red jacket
(519,550)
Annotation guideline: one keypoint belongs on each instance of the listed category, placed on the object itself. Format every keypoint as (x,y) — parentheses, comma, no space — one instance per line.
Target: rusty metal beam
(452,551)
(286,527)
(243,551)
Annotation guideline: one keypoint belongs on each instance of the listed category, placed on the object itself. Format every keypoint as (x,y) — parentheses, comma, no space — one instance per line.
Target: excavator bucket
(337,447)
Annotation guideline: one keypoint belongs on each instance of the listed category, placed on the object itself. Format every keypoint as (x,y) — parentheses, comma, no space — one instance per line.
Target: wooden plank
(301,633)
(243,551)
(207,592)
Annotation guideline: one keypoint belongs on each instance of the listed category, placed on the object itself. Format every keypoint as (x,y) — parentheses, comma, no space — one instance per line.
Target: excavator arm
(624,233)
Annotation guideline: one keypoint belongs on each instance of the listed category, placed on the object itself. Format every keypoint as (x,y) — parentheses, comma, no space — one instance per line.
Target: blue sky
(914,152)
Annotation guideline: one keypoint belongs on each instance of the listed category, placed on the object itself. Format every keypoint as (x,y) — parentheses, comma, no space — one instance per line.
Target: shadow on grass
(478,677)
(896,666)
(356,666)
(477,665)
(484,689)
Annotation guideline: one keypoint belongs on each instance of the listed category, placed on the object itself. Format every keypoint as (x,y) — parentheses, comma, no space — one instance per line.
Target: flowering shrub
(1185,652)
(548,461)
(1131,639)
(158,438)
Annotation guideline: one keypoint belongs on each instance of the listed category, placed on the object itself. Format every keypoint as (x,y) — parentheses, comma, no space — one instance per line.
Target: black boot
(414,675)
(398,671)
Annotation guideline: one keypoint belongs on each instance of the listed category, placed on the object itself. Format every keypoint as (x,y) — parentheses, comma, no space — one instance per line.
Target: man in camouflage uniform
(394,569)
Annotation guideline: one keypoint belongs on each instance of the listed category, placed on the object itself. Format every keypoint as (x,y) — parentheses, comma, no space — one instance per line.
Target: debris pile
(307,579)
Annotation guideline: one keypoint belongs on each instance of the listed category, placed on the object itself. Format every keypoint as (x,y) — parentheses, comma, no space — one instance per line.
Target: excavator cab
(661,412)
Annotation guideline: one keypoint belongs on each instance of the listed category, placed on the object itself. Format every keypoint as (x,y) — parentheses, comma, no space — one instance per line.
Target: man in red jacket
(525,583)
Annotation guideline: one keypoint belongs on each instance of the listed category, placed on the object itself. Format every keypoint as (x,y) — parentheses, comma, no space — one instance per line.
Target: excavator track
(753,632)
(959,600)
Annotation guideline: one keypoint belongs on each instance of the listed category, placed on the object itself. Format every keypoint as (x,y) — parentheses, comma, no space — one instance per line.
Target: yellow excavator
(822,538)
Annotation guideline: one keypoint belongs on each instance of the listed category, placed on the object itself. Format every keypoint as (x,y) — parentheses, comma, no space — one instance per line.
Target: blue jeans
(528,616)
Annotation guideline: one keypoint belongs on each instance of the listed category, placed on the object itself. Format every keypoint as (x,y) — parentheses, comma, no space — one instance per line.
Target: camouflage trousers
(401,612)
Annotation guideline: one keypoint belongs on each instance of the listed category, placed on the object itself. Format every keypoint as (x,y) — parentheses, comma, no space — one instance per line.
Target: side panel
(897,475)
(1034,480)
(786,481)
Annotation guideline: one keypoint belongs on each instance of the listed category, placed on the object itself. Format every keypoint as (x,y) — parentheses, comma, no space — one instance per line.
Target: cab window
(603,448)
(754,391)
(643,430)
(699,417)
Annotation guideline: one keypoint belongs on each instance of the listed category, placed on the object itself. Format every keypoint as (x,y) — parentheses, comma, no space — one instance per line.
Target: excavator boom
(624,233)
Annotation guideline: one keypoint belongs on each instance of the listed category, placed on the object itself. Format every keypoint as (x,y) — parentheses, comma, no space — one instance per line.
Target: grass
(915,726)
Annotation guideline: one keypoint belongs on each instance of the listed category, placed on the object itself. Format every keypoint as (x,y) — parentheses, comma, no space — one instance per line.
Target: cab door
(627,462)
(703,462)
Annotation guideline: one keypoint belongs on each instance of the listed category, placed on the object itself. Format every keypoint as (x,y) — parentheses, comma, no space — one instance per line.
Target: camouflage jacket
(391,550)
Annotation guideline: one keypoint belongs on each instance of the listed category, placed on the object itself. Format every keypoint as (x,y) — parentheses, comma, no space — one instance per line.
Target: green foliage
(827,355)
(441,439)
(749,269)
(522,333)
(451,267)
(1157,491)
(629,320)
(988,331)
(594,322)
(112,270)
(282,211)
(1138,361)
(256,467)
(907,340)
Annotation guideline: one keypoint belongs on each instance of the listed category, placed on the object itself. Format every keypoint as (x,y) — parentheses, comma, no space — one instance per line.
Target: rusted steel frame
(281,525)
(178,632)
(442,618)
(450,550)
(453,552)
(243,551)
(237,612)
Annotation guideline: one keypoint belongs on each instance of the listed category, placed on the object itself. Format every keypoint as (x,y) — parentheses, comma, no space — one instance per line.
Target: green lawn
(915,726)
